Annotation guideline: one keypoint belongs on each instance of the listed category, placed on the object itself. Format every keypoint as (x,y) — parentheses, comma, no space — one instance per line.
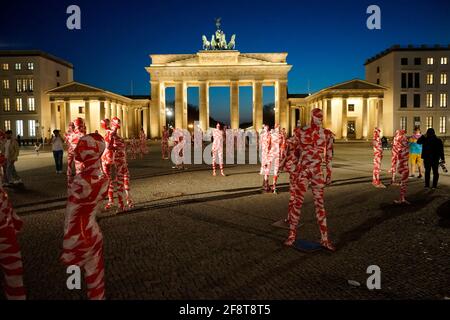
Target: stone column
(119,111)
(87,115)
(102,110)
(380,115)
(329,121)
(204,105)
(185,106)
(68,112)
(293,120)
(145,124)
(179,103)
(126,123)
(154,110)
(257,105)
(281,104)
(108,110)
(234,104)
(365,119)
(53,116)
(63,120)
(344,118)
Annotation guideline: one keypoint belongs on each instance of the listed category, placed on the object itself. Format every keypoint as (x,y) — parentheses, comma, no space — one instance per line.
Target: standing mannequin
(217,149)
(120,161)
(264,145)
(107,159)
(83,239)
(143,144)
(290,157)
(165,143)
(316,144)
(274,154)
(377,157)
(394,157)
(403,167)
(79,131)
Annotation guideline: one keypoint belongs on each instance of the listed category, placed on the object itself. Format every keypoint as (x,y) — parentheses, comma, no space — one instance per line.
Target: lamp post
(169,114)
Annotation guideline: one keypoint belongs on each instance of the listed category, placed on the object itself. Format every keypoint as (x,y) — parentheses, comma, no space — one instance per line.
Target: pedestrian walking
(58,150)
(10,149)
(432,154)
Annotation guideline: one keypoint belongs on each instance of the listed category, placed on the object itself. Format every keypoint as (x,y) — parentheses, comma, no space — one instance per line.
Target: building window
(403,121)
(24,85)
(6,104)
(6,84)
(57,84)
(30,66)
(416,80)
(19,127)
(443,60)
(378,69)
(429,100)
(403,100)
(378,81)
(417,122)
(30,85)
(19,104)
(429,122)
(430,61)
(18,66)
(7,125)
(443,78)
(417,61)
(81,110)
(443,100)
(430,78)
(59,108)
(32,128)
(31,106)
(5,66)
(18,85)
(403,80)
(416,100)
(351,108)
(404,61)
(57,73)
(442,124)
(410,80)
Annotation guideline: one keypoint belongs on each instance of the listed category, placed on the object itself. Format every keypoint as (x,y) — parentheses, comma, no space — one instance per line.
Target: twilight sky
(327,41)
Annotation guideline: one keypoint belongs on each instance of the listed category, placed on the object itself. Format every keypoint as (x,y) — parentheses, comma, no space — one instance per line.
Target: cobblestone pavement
(195,236)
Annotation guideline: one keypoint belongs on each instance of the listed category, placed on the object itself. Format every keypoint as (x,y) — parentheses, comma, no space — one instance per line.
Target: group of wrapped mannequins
(399,162)
(98,169)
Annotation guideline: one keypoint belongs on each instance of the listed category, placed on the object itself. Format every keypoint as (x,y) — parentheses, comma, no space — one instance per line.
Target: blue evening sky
(327,41)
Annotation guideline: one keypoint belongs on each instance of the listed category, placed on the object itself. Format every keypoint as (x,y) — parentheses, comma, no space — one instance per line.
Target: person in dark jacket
(432,153)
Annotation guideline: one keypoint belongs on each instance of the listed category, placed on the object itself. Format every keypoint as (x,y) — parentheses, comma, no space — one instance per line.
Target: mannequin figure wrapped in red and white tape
(377,157)
(108,160)
(217,149)
(289,160)
(316,145)
(79,130)
(83,239)
(264,149)
(403,165)
(10,254)
(122,173)
(394,157)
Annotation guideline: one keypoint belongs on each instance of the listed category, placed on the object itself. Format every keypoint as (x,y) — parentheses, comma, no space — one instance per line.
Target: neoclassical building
(222,68)
(75,99)
(404,87)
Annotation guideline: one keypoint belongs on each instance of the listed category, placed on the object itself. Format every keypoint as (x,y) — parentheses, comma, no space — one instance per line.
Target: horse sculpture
(232,43)
(206,43)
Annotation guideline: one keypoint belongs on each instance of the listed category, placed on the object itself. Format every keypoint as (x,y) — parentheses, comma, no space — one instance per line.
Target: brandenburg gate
(217,68)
